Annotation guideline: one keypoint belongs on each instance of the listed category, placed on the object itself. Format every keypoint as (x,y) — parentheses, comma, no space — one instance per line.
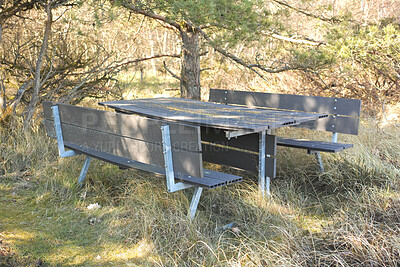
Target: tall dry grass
(349,215)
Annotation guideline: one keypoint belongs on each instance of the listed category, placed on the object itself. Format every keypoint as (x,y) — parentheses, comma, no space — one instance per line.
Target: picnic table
(231,121)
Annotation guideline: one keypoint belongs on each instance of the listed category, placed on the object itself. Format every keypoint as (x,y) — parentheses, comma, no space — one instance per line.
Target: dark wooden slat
(48,118)
(250,142)
(229,157)
(210,180)
(338,124)
(270,167)
(228,178)
(270,160)
(211,114)
(313,145)
(333,123)
(330,105)
(116,160)
(217,136)
(47,109)
(182,136)
(49,125)
(186,162)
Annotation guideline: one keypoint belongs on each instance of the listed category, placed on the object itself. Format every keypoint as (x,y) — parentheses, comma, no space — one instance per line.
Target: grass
(348,216)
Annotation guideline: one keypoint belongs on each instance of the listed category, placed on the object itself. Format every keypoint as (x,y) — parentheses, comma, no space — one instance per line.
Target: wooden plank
(330,105)
(313,145)
(270,160)
(228,178)
(217,136)
(338,124)
(122,162)
(210,180)
(47,109)
(182,136)
(186,162)
(49,125)
(230,157)
(48,118)
(211,114)
(333,123)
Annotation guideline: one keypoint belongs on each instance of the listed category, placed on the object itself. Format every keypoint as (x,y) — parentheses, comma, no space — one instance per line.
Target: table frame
(265,151)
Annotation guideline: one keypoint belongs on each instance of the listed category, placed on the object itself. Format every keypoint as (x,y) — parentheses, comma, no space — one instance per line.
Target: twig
(170,72)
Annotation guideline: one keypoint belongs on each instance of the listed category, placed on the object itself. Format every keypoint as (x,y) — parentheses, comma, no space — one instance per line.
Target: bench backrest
(128,136)
(344,113)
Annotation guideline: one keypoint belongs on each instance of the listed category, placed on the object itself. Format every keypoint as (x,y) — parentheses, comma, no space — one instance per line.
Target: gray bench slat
(318,104)
(229,178)
(336,124)
(229,157)
(210,180)
(250,142)
(344,112)
(313,145)
(184,161)
(211,114)
(217,136)
(124,125)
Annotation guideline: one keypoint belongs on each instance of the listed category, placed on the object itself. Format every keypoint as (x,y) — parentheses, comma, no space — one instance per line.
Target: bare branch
(253,67)
(39,63)
(151,15)
(227,54)
(331,20)
(305,41)
(17,6)
(170,72)
(128,62)
(205,69)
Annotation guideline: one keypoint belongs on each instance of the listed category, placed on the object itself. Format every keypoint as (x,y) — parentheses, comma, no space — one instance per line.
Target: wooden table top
(227,117)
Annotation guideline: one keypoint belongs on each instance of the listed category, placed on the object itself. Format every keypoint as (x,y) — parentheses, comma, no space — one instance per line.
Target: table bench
(344,115)
(129,141)
(231,135)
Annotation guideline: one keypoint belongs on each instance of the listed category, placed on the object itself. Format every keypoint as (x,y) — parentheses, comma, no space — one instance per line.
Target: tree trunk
(3,103)
(190,72)
(37,80)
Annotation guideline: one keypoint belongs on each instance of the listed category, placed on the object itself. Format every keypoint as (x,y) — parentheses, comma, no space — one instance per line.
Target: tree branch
(39,63)
(133,61)
(16,8)
(170,72)
(151,15)
(252,67)
(227,54)
(293,40)
(331,20)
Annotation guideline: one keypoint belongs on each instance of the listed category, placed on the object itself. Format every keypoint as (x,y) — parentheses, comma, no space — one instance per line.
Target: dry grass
(348,216)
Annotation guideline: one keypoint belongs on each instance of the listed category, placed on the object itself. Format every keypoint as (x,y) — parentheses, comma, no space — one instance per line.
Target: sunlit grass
(348,215)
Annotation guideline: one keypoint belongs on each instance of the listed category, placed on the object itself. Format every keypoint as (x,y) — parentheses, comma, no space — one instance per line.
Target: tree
(220,24)
(9,9)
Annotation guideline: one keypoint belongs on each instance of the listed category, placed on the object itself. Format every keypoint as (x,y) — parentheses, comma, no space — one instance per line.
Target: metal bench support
(334,137)
(262,183)
(84,170)
(319,159)
(170,176)
(61,148)
(60,140)
(195,202)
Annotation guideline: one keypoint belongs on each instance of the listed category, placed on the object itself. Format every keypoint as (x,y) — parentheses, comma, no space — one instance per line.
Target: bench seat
(170,149)
(312,145)
(211,179)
